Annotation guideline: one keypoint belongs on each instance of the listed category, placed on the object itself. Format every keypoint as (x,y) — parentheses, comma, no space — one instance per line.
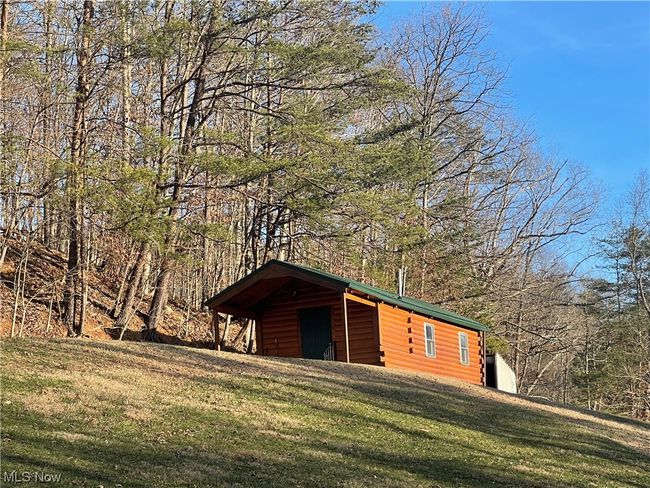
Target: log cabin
(308,313)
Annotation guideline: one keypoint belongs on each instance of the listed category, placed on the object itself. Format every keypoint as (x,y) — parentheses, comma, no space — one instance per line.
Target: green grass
(142,415)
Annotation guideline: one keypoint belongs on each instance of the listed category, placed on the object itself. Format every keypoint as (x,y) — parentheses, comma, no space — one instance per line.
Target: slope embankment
(108,413)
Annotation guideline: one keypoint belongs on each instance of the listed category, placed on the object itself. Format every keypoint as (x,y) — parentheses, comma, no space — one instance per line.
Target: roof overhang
(240,298)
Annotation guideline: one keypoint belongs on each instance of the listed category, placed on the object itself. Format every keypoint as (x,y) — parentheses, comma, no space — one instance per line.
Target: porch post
(345,325)
(215,324)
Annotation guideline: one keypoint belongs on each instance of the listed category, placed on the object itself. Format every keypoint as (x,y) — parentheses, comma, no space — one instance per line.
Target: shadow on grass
(413,431)
(133,462)
(161,338)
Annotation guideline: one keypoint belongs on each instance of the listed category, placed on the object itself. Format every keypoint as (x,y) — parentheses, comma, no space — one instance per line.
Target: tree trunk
(75,176)
(159,302)
(135,277)
(241,333)
(250,340)
(4,27)
(226,331)
(161,294)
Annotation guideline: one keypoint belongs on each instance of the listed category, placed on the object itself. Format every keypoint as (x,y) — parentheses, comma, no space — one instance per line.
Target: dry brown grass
(222,416)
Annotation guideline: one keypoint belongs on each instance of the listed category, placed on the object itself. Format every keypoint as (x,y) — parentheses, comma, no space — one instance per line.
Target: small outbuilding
(499,375)
(307,313)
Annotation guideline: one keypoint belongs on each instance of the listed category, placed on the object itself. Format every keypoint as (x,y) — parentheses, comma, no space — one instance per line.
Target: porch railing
(330,353)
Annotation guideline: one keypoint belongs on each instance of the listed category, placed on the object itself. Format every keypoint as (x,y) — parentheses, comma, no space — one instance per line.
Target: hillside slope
(111,414)
(35,312)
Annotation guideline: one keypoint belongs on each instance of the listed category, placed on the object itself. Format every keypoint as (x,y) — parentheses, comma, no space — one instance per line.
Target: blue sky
(578,75)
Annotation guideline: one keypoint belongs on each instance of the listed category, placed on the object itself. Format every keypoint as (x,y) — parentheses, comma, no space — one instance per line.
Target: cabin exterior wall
(363,333)
(402,346)
(378,333)
(278,327)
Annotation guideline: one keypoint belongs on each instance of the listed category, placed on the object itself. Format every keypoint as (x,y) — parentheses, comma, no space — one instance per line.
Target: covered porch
(300,315)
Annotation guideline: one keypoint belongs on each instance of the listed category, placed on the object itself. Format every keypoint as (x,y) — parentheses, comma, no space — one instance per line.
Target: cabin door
(315,331)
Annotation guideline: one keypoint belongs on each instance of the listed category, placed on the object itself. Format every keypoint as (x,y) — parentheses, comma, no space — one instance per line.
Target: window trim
(433,339)
(460,348)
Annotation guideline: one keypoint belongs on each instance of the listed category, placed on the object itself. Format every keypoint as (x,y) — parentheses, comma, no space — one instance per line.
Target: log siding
(379,328)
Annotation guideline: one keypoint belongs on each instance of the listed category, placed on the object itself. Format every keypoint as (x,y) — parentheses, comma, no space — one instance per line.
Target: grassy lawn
(143,415)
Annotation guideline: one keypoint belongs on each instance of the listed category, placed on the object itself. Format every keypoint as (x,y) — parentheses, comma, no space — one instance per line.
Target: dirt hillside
(35,311)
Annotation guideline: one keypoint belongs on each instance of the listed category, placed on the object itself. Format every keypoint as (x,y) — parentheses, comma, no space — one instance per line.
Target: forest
(167,148)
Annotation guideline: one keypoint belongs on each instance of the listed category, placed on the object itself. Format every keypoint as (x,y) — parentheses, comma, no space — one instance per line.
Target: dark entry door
(315,331)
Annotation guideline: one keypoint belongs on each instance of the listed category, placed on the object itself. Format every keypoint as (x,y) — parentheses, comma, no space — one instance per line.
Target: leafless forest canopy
(167,148)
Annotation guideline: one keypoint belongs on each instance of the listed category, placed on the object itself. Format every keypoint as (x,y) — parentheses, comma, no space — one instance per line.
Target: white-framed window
(463,346)
(430,340)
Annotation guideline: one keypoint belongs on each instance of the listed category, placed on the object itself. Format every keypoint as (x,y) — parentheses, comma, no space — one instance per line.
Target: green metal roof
(411,304)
